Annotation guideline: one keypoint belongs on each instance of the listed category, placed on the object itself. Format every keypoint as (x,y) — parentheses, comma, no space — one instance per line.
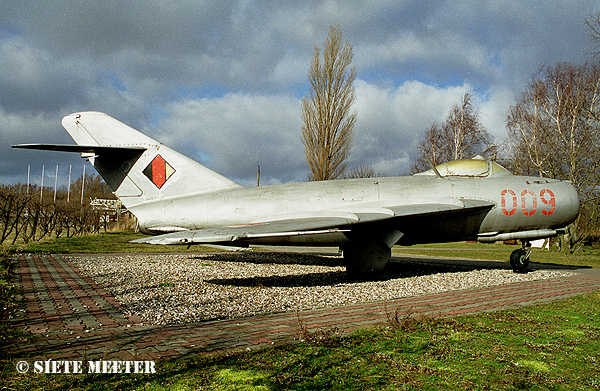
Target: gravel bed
(180,288)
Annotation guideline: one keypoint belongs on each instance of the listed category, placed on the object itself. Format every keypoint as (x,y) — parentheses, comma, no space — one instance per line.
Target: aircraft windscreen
(469,168)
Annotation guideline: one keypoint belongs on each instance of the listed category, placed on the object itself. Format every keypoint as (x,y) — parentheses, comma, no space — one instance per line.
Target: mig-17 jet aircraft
(183,202)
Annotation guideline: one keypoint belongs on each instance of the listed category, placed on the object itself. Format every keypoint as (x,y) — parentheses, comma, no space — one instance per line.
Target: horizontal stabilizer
(95,149)
(113,163)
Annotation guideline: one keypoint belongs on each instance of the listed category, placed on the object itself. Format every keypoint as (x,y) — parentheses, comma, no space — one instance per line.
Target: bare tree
(25,217)
(554,132)
(461,136)
(95,187)
(431,149)
(327,120)
(362,172)
(593,23)
(13,203)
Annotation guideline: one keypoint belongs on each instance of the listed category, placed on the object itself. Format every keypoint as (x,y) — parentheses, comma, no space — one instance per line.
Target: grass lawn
(499,252)
(544,347)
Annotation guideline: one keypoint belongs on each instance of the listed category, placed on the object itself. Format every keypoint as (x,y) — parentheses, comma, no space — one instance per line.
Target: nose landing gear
(519,259)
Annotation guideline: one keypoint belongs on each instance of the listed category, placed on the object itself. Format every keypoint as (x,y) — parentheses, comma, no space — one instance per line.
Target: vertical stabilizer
(137,167)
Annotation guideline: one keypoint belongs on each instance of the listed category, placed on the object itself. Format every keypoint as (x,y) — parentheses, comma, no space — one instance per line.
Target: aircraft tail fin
(137,167)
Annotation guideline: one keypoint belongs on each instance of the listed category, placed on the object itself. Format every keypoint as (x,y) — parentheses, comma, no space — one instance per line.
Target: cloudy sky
(222,81)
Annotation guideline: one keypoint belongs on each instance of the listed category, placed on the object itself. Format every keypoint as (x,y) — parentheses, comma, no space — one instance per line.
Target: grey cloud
(391,121)
(32,79)
(204,70)
(235,133)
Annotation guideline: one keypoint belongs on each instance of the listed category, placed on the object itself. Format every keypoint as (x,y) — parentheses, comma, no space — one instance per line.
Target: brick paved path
(78,320)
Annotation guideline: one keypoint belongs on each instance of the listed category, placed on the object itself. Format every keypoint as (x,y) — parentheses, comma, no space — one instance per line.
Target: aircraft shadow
(399,267)
(394,270)
(279,258)
(478,264)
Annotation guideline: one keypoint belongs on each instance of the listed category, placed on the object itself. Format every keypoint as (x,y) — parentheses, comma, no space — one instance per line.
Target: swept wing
(323,223)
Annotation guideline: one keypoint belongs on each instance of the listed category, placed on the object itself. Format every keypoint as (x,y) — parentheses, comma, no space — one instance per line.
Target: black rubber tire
(366,259)
(519,261)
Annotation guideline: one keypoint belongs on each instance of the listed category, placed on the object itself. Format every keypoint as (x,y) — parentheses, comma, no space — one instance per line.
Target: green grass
(544,347)
(499,252)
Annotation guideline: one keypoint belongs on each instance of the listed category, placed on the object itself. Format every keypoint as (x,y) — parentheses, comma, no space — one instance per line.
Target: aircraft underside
(367,250)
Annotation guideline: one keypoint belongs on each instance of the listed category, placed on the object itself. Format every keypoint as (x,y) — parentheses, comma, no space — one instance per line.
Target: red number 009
(510,197)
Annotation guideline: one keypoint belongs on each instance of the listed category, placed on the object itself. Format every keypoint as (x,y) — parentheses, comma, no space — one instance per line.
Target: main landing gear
(519,259)
(366,258)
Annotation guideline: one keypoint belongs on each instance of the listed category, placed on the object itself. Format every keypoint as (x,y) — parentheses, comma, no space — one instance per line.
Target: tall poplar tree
(328,121)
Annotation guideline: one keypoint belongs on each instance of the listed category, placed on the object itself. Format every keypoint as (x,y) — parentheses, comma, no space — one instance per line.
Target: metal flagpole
(42,186)
(82,184)
(55,182)
(69,186)
(28,171)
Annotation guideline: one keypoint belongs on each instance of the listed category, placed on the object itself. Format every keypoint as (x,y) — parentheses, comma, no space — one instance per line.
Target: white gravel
(180,288)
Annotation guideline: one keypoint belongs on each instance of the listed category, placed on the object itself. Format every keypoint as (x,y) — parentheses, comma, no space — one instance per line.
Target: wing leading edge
(331,224)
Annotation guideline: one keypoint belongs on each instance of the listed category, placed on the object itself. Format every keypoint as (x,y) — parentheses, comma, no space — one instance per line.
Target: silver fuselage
(521,204)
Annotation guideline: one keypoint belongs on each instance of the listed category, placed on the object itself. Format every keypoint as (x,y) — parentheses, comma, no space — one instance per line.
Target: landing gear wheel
(365,259)
(519,260)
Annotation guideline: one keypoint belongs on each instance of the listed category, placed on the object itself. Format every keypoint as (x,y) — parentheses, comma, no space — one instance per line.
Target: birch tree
(462,136)
(593,23)
(554,132)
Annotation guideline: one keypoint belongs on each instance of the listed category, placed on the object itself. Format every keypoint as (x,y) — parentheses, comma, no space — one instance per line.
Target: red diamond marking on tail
(159,171)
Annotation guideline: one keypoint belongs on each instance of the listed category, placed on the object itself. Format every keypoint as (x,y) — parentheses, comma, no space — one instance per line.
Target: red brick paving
(77,319)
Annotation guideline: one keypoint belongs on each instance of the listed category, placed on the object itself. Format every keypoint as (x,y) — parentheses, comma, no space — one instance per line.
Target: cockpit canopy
(476,167)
